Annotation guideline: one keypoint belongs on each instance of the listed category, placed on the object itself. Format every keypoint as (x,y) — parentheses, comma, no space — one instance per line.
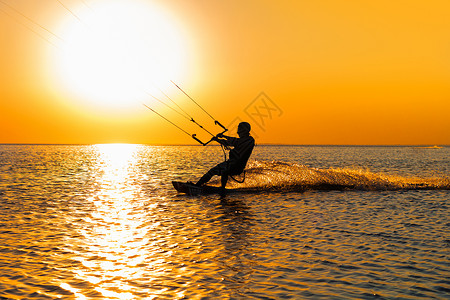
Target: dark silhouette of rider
(238,157)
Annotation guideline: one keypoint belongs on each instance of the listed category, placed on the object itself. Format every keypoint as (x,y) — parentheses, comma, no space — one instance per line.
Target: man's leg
(217,170)
(224,179)
(205,178)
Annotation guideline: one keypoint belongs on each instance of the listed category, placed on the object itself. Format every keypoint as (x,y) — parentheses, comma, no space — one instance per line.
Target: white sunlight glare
(117,51)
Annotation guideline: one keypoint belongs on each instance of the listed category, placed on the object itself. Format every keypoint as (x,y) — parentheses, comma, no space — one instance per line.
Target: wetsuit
(238,157)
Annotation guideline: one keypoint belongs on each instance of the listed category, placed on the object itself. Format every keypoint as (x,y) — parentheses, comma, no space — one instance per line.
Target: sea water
(104,222)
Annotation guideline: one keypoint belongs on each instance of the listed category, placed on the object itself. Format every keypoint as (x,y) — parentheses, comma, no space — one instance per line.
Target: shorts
(225,168)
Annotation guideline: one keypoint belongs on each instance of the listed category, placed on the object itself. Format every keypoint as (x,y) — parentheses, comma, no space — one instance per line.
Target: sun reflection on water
(113,237)
(103,222)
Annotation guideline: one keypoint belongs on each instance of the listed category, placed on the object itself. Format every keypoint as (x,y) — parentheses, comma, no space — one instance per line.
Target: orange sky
(332,72)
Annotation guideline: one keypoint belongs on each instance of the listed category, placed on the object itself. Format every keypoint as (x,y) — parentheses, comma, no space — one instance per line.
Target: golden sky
(301,72)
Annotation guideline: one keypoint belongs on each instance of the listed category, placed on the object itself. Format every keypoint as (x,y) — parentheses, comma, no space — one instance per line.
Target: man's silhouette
(238,157)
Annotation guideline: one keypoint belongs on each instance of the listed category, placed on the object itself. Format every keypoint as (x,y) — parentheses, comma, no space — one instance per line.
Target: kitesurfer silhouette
(238,157)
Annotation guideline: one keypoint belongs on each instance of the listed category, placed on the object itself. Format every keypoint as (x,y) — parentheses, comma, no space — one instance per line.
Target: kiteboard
(191,189)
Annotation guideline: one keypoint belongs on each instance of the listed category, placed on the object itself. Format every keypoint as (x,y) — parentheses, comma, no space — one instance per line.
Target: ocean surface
(309,222)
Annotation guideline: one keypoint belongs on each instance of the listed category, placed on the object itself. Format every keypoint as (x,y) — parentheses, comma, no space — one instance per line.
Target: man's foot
(222,192)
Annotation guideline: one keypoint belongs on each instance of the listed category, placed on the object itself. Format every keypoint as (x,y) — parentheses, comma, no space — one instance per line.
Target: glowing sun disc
(117,50)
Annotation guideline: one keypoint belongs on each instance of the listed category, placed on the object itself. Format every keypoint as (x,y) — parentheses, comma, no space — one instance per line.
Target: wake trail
(282,176)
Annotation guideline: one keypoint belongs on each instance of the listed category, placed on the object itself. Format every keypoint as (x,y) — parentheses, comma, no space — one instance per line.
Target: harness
(228,162)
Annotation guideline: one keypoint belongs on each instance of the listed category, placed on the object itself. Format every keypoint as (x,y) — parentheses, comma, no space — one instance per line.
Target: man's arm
(225,140)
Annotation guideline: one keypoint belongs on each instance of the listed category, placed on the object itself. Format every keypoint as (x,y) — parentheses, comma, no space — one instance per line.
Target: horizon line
(259,144)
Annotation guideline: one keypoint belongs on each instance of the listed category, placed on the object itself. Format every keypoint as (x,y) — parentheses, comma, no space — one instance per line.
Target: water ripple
(85,222)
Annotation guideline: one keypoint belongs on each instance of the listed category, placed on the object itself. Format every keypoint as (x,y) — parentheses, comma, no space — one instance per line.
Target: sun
(115,51)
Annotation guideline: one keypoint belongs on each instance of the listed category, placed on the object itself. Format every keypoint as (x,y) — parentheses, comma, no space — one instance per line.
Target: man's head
(243,129)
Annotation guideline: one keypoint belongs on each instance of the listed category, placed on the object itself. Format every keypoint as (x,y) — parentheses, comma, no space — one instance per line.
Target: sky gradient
(301,72)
